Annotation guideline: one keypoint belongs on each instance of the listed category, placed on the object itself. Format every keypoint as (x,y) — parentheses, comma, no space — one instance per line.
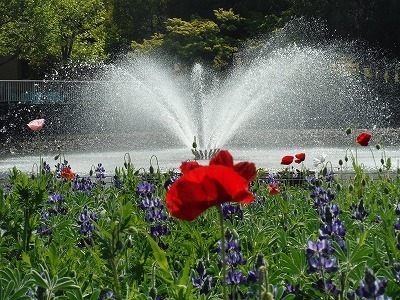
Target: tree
(198,39)
(49,32)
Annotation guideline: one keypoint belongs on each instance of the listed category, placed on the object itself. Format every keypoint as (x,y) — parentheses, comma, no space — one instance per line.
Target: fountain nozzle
(200,154)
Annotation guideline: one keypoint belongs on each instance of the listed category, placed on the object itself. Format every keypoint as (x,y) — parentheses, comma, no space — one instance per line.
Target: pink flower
(36,125)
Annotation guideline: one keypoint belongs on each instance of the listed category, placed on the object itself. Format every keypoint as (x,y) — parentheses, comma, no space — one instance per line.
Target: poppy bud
(56,157)
(346,159)
(151,170)
(377,146)
(267,296)
(380,170)
(324,171)
(260,262)
(338,186)
(386,190)
(91,172)
(340,162)
(125,165)
(348,130)
(351,187)
(194,145)
(382,161)
(363,182)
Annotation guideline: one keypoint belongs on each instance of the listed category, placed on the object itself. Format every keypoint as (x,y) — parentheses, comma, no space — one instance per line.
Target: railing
(46,92)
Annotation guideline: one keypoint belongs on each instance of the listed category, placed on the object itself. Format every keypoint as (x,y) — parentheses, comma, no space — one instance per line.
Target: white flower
(319,160)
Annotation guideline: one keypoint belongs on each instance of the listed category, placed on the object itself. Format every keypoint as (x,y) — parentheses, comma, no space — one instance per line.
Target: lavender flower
(203,282)
(86,227)
(231,212)
(371,287)
(359,212)
(100,174)
(235,277)
(326,287)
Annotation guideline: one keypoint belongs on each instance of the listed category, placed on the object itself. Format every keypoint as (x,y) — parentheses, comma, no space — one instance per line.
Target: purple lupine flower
(231,212)
(117,181)
(108,295)
(291,289)
(318,256)
(100,174)
(235,277)
(204,282)
(397,210)
(159,230)
(397,225)
(86,227)
(371,287)
(155,213)
(396,269)
(359,212)
(252,276)
(83,184)
(326,287)
(145,189)
(174,177)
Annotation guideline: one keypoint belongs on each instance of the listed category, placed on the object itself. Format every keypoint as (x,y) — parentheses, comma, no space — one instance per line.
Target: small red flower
(273,189)
(36,125)
(300,157)
(363,138)
(287,160)
(67,173)
(202,187)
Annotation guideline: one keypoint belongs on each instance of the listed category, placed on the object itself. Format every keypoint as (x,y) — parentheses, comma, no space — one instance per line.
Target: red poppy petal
(287,160)
(301,156)
(363,138)
(189,165)
(180,201)
(298,161)
(204,187)
(247,170)
(223,158)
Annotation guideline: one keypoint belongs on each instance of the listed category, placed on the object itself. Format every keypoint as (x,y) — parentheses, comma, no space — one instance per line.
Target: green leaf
(388,163)
(161,259)
(38,279)
(289,265)
(65,283)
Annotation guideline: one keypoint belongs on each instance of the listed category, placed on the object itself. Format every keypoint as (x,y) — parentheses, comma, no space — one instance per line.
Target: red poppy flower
(300,157)
(287,160)
(273,189)
(67,173)
(363,138)
(202,187)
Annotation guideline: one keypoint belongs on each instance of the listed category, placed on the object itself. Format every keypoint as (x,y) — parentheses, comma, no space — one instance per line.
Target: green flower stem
(223,280)
(117,287)
(40,152)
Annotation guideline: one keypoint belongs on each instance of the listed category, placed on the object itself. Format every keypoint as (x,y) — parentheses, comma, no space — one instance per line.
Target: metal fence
(47,92)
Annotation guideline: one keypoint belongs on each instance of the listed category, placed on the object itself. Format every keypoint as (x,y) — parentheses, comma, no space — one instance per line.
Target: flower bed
(221,231)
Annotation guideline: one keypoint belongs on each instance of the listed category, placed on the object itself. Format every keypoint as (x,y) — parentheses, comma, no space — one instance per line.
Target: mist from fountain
(285,82)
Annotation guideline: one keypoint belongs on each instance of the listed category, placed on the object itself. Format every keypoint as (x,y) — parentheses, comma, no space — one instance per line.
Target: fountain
(285,92)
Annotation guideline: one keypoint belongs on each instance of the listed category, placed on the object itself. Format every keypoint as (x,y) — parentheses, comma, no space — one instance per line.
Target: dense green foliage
(56,32)
(89,236)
